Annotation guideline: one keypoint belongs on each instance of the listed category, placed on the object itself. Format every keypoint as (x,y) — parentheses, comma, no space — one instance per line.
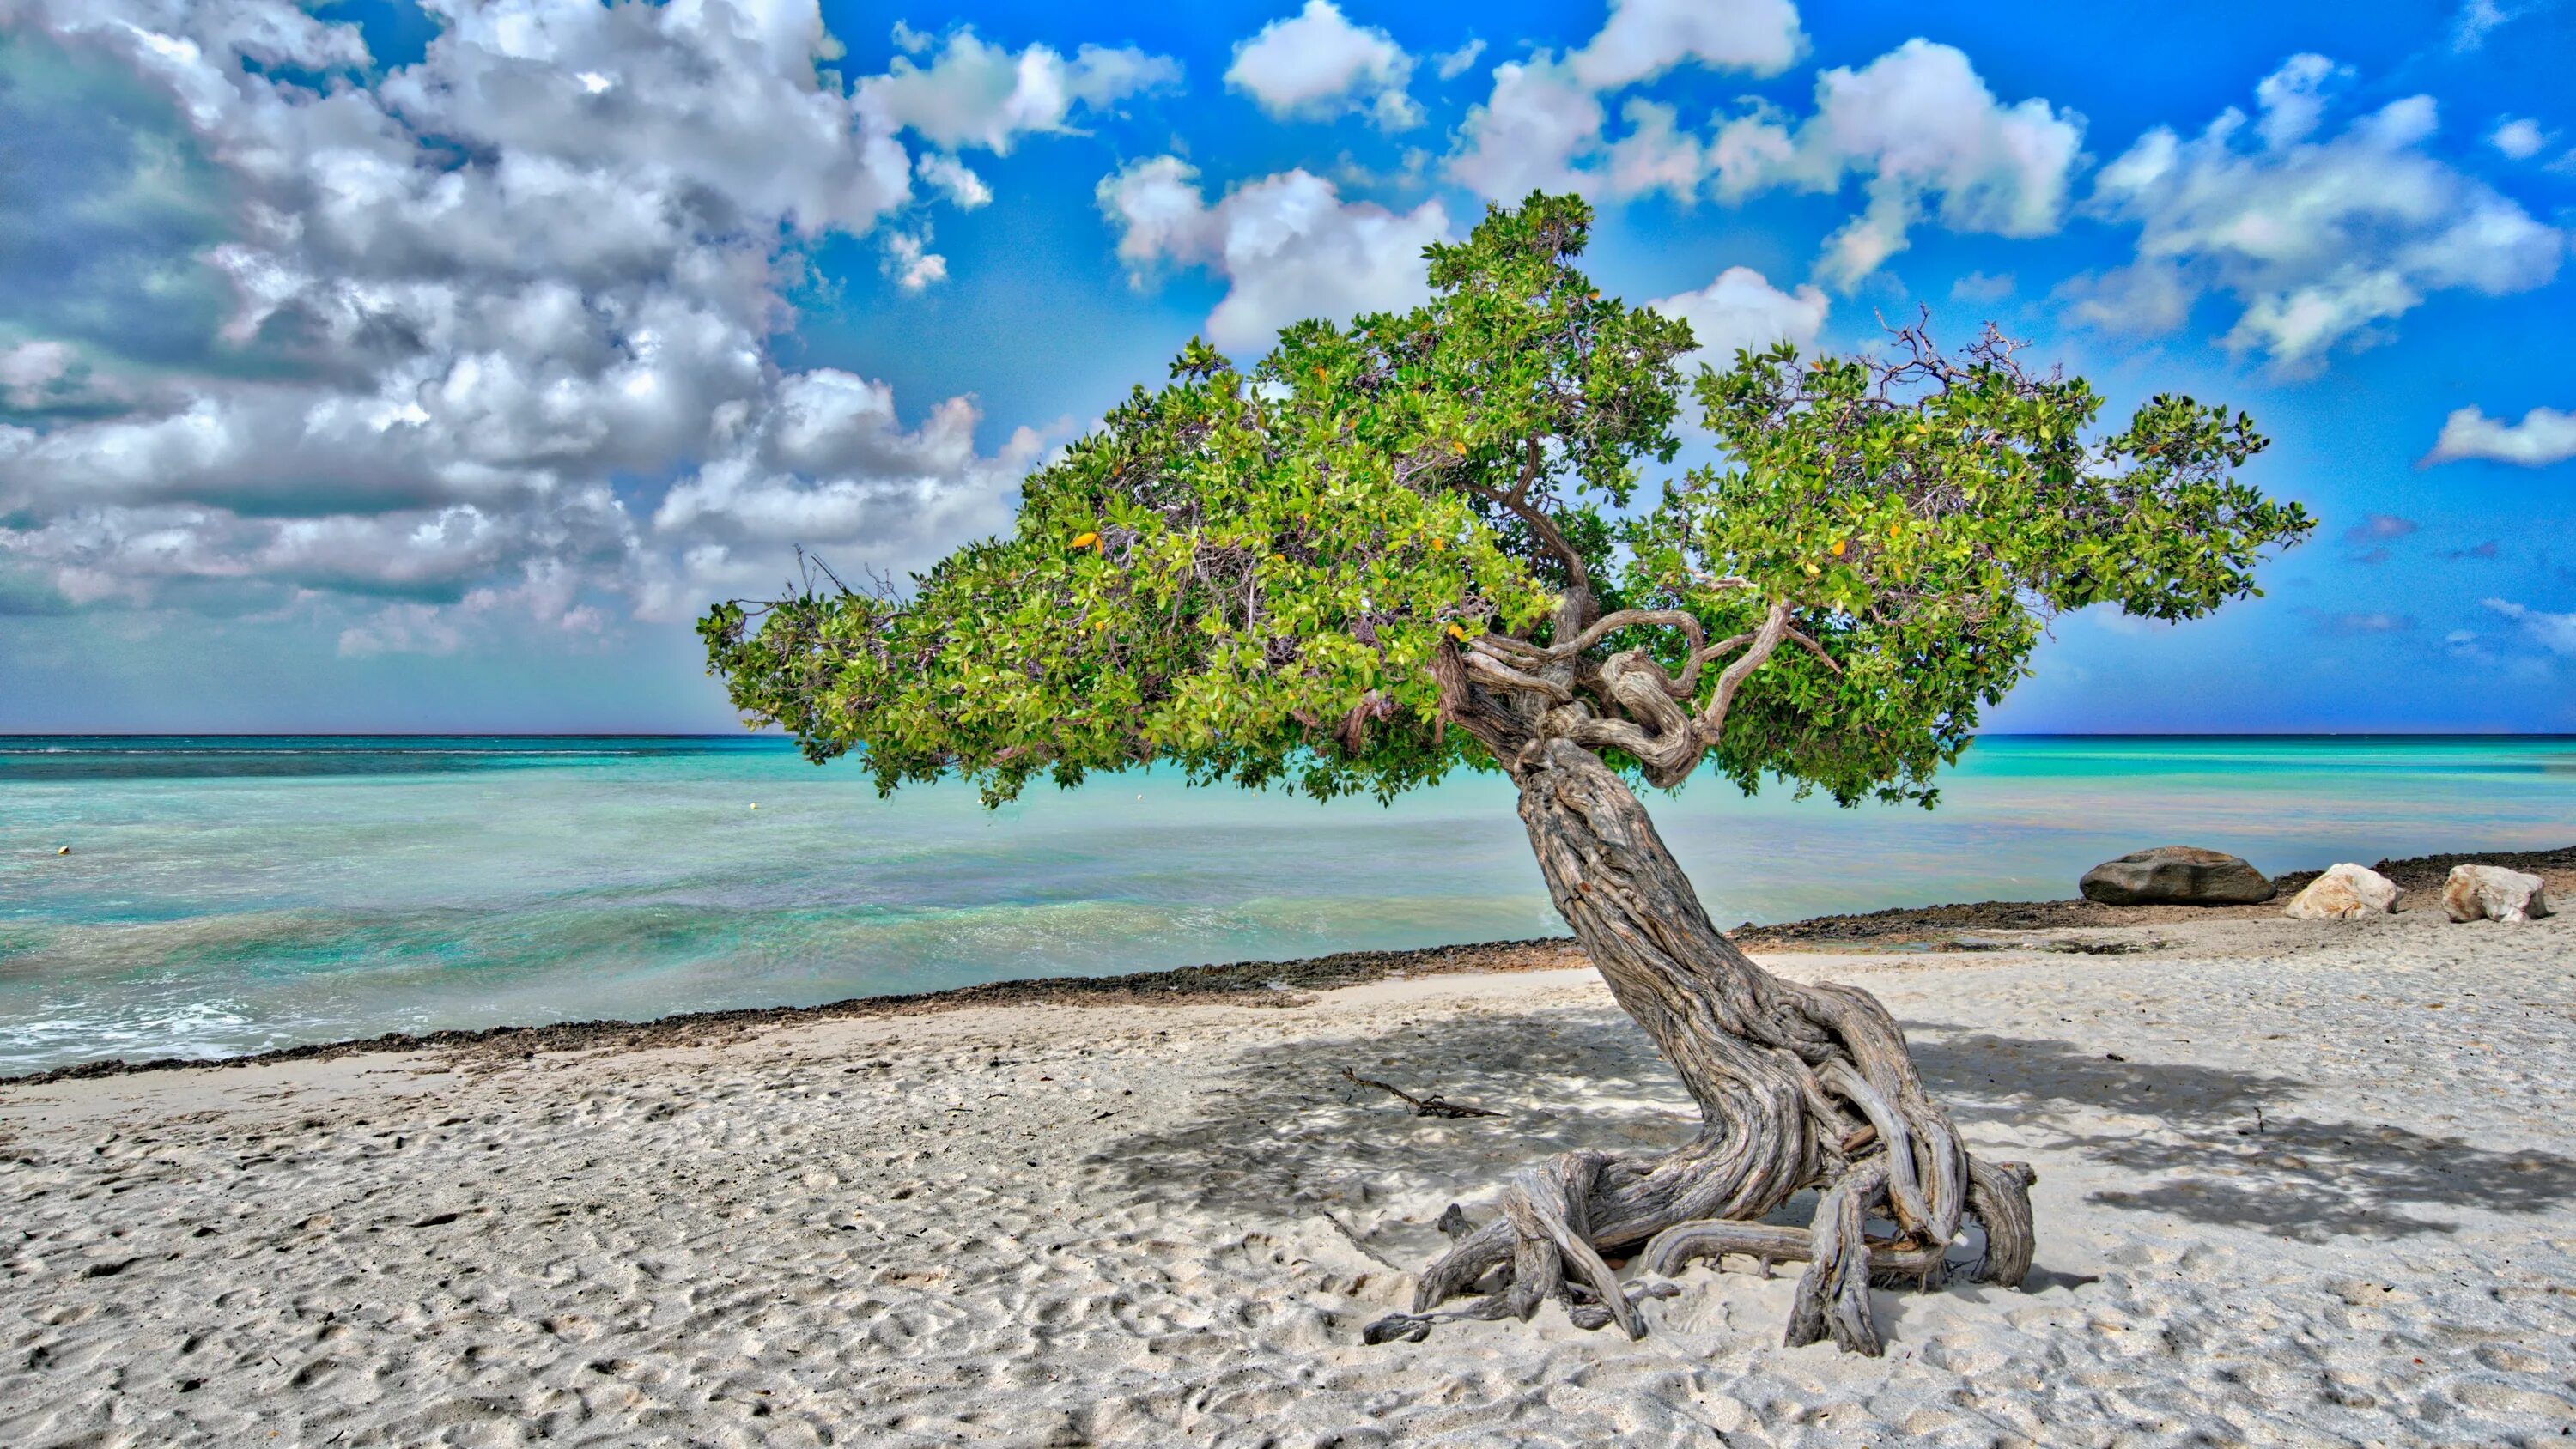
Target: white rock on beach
(2492,893)
(2345,892)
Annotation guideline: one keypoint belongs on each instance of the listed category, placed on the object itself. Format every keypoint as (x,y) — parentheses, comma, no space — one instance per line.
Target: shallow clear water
(226,896)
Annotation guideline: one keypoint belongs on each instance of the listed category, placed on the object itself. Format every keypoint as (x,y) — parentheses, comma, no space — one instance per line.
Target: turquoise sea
(230,895)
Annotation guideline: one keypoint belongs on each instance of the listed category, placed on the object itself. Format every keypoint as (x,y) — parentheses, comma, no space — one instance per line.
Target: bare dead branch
(1431,1106)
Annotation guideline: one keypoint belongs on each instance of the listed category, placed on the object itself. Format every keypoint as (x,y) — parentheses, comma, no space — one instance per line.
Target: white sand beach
(2299,1183)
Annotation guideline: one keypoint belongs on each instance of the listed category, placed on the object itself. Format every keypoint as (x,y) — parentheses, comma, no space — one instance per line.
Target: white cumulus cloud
(2545,435)
(2319,241)
(1742,310)
(1542,125)
(1645,38)
(1929,134)
(1920,131)
(828,458)
(1451,64)
(976,93)
(500,324)
(910,261)
(35,376)
(2477,19)
(955,180)
(2519,138)
(1532,132)
(1287,245)
(1316,65)
(2293,99)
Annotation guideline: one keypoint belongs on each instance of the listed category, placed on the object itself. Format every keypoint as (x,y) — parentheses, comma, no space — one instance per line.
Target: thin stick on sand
(1431,1106)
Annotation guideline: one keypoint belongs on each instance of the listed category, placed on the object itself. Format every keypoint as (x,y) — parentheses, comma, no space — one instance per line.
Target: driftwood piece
(1431,1106)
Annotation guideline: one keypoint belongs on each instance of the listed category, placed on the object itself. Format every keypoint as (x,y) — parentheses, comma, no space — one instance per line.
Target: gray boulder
(2176,875)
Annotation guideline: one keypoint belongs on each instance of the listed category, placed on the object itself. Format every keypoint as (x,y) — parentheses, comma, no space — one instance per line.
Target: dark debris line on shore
(1253,983)
(1277,983)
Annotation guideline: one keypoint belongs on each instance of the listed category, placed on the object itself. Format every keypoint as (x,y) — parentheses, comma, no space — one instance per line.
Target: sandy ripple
(1062,1226)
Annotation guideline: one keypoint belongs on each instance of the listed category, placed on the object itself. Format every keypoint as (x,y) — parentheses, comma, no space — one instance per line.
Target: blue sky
(379,366)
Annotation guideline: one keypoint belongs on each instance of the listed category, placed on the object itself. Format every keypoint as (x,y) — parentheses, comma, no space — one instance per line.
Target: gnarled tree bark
(1797,1086)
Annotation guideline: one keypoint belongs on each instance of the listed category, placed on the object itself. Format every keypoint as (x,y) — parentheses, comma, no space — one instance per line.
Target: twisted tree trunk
(1797,1086)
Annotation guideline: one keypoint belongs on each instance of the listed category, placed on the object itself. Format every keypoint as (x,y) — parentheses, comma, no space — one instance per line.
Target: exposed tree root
(1539,1248)
(1799,1086)
(1833,1294)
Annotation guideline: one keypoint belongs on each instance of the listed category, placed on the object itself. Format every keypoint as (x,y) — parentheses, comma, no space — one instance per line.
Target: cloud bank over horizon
(473,302)
(469,325)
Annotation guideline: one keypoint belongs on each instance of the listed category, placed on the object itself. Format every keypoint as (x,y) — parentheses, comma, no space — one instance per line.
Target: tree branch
(1660,736)
(1608,624)
(1542,527)
(1775,629)
(1499,643)
(1727,645)
(1529,472)
(1668,758)
(1488,669)
(1812,647)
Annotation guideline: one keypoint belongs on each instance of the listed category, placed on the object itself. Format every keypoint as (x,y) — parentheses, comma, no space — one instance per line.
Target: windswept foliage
(1417,540)
(1286,573)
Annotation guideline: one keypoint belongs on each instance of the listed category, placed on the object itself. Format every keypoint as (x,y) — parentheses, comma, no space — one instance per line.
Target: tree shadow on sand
(2220,1152)
(1285,1132)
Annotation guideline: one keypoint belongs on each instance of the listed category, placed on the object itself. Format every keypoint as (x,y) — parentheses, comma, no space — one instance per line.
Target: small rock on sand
(2176,875)
(2345,892)
(2492,893)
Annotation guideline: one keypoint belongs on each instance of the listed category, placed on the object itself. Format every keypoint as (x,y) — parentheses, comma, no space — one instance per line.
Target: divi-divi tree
(1427,539)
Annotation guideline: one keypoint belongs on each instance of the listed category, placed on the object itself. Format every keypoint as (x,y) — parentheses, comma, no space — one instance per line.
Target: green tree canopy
(1301,572)
(1421,539)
